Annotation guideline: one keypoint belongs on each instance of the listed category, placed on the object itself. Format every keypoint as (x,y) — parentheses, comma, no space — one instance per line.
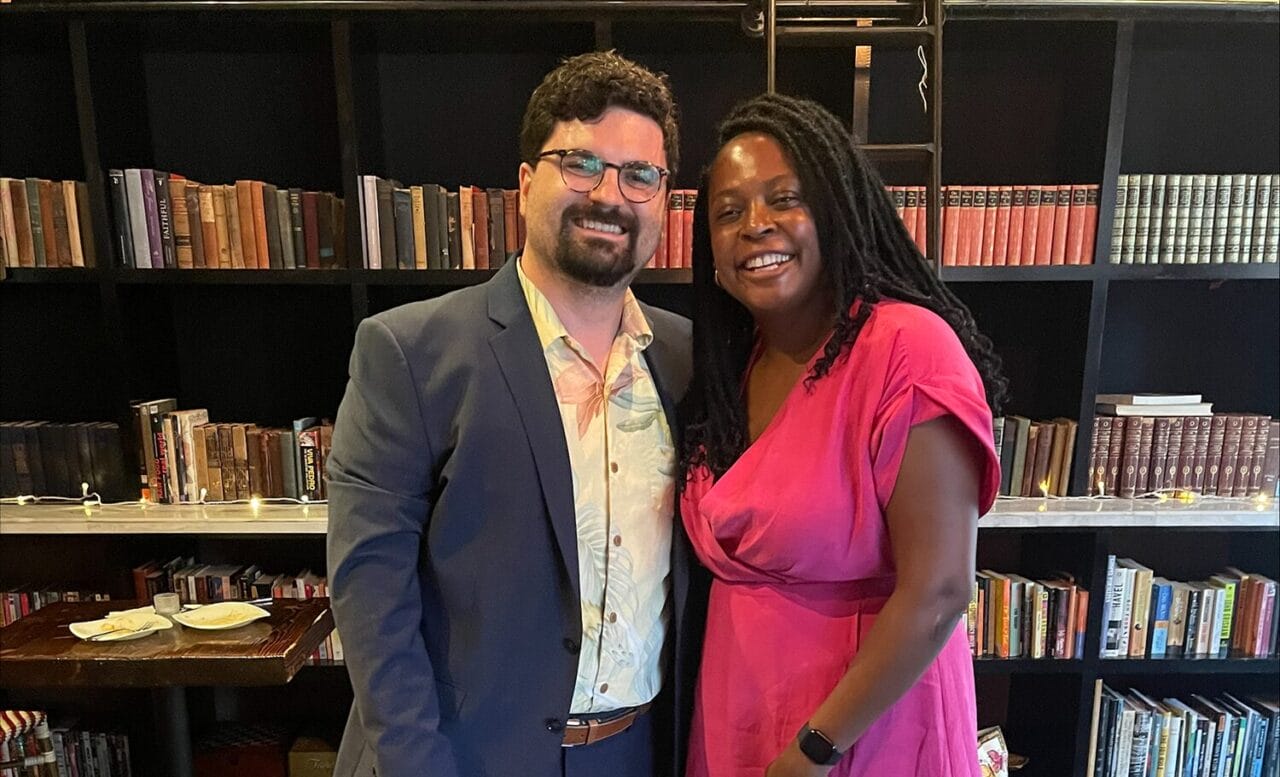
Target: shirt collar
(633,324)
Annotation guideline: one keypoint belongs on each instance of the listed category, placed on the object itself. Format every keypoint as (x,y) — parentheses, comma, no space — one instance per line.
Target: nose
(758,221)
(608,191)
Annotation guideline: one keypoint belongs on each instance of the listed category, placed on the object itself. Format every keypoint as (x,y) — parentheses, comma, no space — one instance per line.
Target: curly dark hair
(583,87)
(867,254)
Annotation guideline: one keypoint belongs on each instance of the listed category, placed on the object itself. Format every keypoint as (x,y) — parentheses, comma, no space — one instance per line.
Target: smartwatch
(817,747)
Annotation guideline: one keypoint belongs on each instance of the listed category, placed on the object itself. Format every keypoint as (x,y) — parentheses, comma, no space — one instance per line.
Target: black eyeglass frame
(663,173)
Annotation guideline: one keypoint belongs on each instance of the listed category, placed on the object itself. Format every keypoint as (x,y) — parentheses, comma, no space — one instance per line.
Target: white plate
(222,615)
(125,627)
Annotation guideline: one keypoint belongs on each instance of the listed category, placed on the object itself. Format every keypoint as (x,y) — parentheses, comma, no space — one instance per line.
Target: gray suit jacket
(452,543)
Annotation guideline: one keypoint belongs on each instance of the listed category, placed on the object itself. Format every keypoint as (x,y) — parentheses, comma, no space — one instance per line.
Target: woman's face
(763,237)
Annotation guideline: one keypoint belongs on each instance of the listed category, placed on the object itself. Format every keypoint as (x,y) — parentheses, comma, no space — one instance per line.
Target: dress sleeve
(930,375)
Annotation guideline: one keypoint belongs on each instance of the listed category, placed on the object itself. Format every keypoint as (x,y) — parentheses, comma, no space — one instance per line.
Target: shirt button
(613,466)
(604,688)
(613,617)
(617,540)
(571,645)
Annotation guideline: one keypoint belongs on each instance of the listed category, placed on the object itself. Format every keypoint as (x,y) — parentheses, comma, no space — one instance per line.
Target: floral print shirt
(623,459)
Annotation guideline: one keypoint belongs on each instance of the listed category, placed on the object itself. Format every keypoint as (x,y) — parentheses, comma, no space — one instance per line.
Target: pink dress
(794,534)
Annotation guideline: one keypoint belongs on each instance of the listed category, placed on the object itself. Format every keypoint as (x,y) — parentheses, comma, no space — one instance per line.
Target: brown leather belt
(585,731)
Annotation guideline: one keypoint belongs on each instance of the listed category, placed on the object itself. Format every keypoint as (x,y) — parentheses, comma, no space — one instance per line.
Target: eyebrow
(785,178)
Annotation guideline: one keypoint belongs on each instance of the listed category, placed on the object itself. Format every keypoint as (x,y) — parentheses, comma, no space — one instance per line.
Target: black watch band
(817,747)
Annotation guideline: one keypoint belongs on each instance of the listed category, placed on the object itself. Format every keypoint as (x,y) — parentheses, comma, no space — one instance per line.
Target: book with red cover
(950,225)
(1171,466)
(1060,223)
(659,259)
(1004,212)
(1017,216)
(1091,193)
(1046,228)
(910,212)
(686,247)
(1031,228)
(675,228)
(963,244)
(922,221)
(1073,252)
(978,226)
(1213,461)
(989,217)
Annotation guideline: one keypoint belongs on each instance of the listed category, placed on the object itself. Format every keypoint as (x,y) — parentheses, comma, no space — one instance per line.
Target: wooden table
(39,651)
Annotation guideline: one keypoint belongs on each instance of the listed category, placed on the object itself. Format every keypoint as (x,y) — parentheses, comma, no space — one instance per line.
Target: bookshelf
(314,93)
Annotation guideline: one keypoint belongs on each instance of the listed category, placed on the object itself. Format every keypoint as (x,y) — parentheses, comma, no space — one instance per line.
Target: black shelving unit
(315,93)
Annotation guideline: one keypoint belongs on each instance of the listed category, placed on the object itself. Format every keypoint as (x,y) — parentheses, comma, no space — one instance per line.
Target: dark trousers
(629,754)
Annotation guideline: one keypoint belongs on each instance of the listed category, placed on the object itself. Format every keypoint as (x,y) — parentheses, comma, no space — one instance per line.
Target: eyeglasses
(582,171)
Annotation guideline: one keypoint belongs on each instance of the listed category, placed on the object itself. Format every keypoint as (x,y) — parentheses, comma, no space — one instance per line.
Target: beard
(593,261)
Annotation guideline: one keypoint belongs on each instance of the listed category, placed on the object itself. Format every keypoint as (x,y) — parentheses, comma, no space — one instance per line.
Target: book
(1191,408)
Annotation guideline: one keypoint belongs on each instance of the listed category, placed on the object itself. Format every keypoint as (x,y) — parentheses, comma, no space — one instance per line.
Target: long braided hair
(867,254)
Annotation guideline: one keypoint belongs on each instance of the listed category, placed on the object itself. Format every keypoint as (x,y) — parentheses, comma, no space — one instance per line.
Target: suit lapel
(524,368)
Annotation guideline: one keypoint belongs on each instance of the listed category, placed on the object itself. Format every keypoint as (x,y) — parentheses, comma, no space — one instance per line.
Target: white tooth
(767,260)
(600,226)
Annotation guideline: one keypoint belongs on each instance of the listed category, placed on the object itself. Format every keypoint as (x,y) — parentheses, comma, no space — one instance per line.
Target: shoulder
(438,322)
(912,332)
(671,328)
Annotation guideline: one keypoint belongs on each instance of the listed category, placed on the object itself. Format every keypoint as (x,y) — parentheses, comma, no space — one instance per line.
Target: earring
(716,275)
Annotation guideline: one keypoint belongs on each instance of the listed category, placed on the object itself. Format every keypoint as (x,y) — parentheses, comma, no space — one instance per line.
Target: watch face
(817,747)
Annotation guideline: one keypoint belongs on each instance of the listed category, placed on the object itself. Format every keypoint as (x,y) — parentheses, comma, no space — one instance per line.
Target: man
(506,571)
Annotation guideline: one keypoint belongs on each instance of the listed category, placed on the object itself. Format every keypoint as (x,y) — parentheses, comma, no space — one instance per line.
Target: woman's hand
(793,763)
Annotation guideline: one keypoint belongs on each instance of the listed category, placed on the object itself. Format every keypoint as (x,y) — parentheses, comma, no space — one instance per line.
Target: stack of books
(38,458)
(45,224)
(1232,614)
(1133,734)
(1146,443)
(1171,218)
(1035,456)
(1011,616)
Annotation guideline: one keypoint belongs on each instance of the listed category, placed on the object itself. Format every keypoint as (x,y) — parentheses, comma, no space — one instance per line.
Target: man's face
(598,238)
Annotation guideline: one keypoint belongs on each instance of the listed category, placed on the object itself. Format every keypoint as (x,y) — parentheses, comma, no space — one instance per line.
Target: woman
(836,461)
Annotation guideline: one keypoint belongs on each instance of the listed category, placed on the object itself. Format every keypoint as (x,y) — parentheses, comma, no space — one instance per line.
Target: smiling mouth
(767,261)
(603,227)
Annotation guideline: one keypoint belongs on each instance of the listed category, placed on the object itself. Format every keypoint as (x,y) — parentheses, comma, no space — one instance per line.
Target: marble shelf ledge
(1080,513)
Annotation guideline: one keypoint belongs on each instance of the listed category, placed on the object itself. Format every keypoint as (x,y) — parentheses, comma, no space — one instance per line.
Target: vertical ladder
(894,23)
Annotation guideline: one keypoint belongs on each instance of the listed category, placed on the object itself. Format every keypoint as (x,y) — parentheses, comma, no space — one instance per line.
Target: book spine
(1047,237)
(1159,452)
(1195,219)
(1271,256)
(196,225)
(1182,231)
(283,215)
(1246,215)
(1118,219)
(1142,224)
(165,218)
(184,257)
(137,218)
(123,224)
(1169,227)
(1244,462)
(1235,217)
(1129,463)
(1187,453)
(1146,434)
(1171,461)
(299,238)
(1132,208)
(1073,250)
(1230,454)
(1257,248)
(244,213)
(151,210)
(1092,193)
(1155,220)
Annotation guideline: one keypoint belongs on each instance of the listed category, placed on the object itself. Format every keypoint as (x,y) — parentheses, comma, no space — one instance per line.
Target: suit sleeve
(379,483)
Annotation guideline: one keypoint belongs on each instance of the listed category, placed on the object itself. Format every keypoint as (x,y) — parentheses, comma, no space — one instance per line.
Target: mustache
(594,212)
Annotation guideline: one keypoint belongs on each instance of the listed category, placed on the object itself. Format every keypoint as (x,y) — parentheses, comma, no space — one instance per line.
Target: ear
(526,178)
